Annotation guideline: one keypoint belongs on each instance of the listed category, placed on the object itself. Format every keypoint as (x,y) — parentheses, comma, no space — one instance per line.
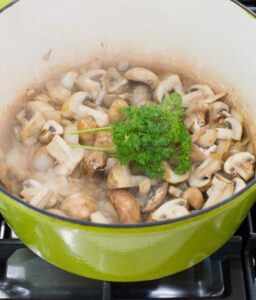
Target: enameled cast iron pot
(212,41)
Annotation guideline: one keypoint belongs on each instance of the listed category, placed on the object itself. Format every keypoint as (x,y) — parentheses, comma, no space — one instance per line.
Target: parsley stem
(92,130)
(92,147)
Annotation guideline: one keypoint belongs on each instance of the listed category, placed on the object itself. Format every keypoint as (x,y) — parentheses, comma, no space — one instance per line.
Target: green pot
(192,38)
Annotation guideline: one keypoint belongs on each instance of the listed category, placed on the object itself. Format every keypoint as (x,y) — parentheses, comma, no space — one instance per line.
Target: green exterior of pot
(126,254)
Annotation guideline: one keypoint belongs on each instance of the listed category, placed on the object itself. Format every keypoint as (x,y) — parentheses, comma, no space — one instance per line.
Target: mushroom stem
(92,130)
(92,147)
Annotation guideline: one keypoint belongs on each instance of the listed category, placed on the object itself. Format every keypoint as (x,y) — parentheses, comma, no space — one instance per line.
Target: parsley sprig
(149,135)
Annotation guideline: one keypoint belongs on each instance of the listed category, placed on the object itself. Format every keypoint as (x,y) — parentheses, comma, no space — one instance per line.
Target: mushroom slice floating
(74,107)
(239,184)
(49,130)
(221,189)
(241,164)
(31,129)
(79,206)
(57,92)
(194,197)
(208,138)
(126,205)
(67,80)
(98,217)
(156,196)
(94,163)
(121,177)
(171,83)
(95,83)
(236,128)
(142,75)
(171,177)
(170,210)
(117,83)
(114,111)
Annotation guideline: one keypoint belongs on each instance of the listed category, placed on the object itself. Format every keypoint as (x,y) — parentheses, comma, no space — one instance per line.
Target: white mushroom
(210,166)
(218,110)
(44,108)
(114,111)
(242,164)
(49,130)
(59,149)
(170,84)
(239,184)
(67,80)
(171,177)
(223,133)
(205,90)
(117,83)
(98,217)
(57,92)
(85,123)
(42,198)
(79,206)
(95,83)
(156,196)
(223,146)
(140,95)
(195,116)
(170,210)
(208,138)
(94,163)
(236,128)
(68,136)
(194,197)
(175,191)
(142,75)
(221,189)
(31,129)
(198,181)
(30,188)
(121,177)
(75,108)
(42,160)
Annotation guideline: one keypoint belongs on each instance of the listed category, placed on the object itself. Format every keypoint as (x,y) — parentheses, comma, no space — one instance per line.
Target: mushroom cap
(242,164)
(142,75)
(126,205)
(171,177)
(208,138)
(171,83)
(194,197)
(236,128)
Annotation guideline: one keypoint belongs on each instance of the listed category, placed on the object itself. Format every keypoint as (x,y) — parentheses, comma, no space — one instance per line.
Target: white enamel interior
(212,39)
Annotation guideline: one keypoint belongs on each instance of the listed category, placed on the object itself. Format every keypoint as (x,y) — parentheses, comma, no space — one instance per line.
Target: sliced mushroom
(140,95)
(98,217)
(41,161)
(42,98)
(195,116)
(144,186)
(49,130)
(236,114)
(205,90)
(223,146)
(42,198)
(241,164)
(208,138)
(236,128)
(121,177)
(31,129)
(68,79)
(57,212)
(117,83)
(175,191)
(198,154)
(194,197)
(94,163)
(171,177)
(114,111)
(57,92)
(44,108)
(196,181)
(239,184)
(30,189)
(59,149)
(170,210)
(12,178)
(219,110)
(79,206)
(171,83)
(224,133)
(68,135)
(75,108)
(156,196)
(95,83)
(220,190)
(126,206)
(210,166)
(85,123)
(142,75)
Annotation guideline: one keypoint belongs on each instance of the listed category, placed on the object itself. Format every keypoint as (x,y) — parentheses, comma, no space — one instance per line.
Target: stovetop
(229,274)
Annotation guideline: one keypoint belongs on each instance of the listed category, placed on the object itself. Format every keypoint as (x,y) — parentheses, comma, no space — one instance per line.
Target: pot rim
(137,225)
